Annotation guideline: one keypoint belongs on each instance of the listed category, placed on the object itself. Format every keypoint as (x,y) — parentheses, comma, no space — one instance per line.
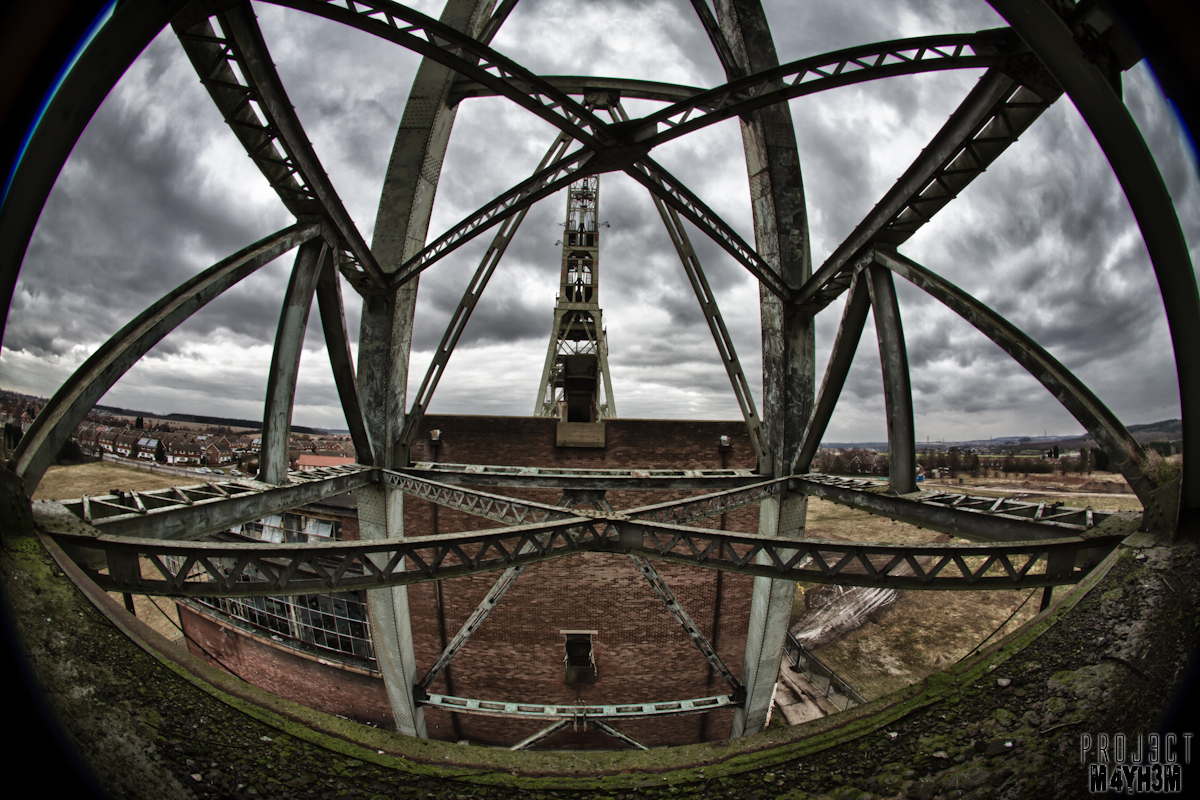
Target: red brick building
(640,652)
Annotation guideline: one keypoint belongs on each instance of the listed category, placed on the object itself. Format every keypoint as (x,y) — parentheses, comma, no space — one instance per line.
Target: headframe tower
(576,385)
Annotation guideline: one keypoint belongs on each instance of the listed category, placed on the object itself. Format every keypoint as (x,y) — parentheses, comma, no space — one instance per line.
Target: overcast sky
(158,189)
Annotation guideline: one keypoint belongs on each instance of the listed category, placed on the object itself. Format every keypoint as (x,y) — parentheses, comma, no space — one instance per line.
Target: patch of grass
(923,633)
(98,478)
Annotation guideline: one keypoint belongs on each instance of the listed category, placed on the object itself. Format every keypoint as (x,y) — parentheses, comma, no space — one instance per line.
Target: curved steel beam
(1116,132)
(337,344)
(670,190)
(237,99)
(828,71)
(132,26)
(854,318)
(285,361)
(694,108)
(582,84)
(781,235)
(897,390)
(259,70)
(459,51)
(75,398)
(725,54)
(1097,420)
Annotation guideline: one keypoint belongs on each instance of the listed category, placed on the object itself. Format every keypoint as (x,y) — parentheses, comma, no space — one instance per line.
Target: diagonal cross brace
(678,611)
(482,504)
(685,621)
(498,590)
(481,612)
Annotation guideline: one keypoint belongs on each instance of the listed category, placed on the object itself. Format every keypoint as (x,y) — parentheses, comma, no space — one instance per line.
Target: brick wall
(641,652)
(353,694)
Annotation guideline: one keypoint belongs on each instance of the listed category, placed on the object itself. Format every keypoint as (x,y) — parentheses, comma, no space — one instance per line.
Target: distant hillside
(202,420)
(1170,428)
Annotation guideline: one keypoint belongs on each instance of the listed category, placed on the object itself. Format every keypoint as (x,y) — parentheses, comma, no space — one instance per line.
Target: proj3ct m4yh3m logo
(1135,764)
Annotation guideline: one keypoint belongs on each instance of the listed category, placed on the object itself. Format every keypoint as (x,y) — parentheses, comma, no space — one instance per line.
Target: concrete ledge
(145,713)
(580,434)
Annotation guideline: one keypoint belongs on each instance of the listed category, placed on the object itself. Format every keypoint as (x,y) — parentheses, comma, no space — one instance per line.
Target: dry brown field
(926,631)
(100,477)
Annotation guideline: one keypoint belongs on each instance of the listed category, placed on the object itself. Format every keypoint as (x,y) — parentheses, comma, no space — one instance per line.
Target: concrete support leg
(380,513)
(781,236)
(285,361)
(385,338)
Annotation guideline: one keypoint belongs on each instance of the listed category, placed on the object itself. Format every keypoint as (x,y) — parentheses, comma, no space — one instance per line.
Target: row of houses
(189,449)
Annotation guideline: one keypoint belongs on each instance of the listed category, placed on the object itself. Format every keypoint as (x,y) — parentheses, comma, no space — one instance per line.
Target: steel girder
(996,111)
(977,518)
(341,360)
(690,509)
(854,317)
(820,73)
(189,512)
(693,108)
(285,361)
(716,326)
(543,183)
(75,398)
(1068,55)
(296,174)
(685,621)
(218,569)
(568,712)
(468,56)
(1100,423)
(481,504)
(565,478)
(587,84)
(741,97)
(194,511)
(670,190)
(897,392)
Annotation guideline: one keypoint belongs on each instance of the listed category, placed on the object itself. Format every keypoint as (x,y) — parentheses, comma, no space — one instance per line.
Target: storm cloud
(158,189)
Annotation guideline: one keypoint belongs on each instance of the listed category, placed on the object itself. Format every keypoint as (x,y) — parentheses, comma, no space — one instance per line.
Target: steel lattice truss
(1026,68)
(213,569)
